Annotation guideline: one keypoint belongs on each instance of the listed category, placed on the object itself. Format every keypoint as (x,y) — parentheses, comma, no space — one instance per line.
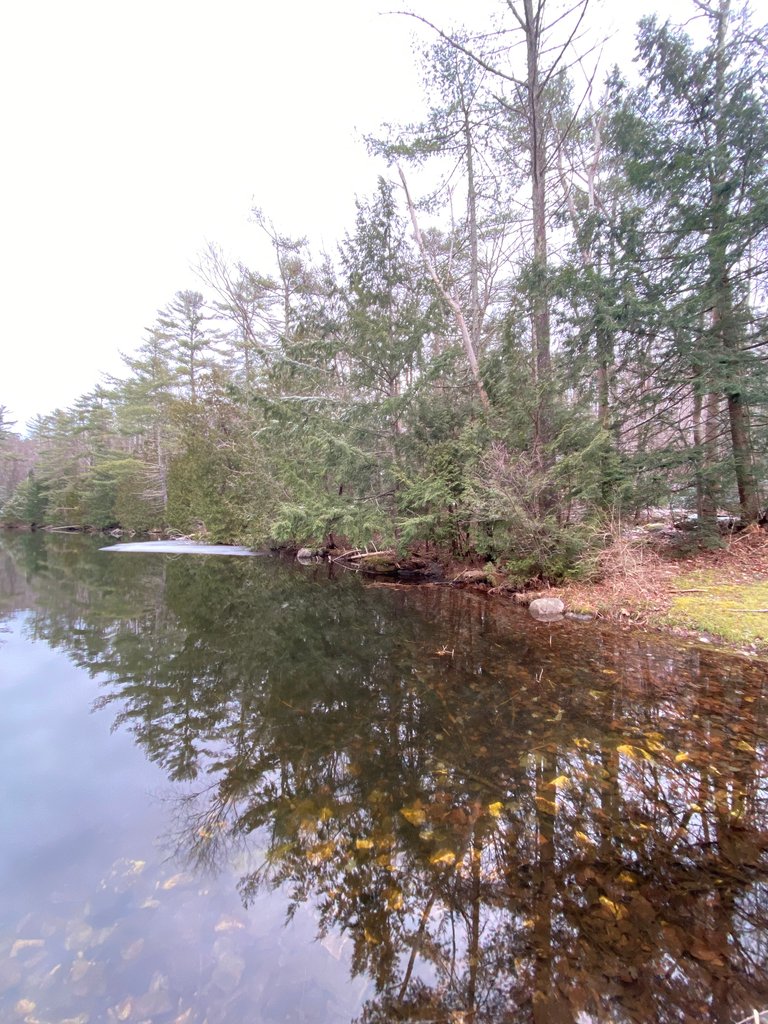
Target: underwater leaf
(653,745)
(615,909)
(546,805)
(80,968)
(131,951)
(495,808)
(708,956)
(583,838)
(682,756)
(124,1010)
(180,879)
(415,815)
(324,851)
(228,924)
(395,900)
(561,782)
(22,944)
(637,753)
(364,844)
(443,857)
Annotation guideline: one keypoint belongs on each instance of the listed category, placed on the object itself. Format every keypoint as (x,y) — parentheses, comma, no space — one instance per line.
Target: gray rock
(307,554)
(546,608)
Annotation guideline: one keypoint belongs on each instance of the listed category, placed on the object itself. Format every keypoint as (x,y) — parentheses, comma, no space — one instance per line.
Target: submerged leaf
(546,805)
(22,944)
(124,1010)
(320,853)
(637,753)
(174,880)
(443,857)
(415,815)
(615,909)
(708,956)
(561,782)
(395,900)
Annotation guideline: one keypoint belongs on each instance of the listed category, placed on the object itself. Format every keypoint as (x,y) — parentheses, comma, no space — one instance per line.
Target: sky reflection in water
(483,817)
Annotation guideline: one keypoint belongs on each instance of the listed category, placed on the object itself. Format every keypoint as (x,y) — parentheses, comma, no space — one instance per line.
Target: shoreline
(652,584)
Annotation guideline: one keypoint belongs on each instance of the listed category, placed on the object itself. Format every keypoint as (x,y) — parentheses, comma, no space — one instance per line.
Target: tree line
(548,314)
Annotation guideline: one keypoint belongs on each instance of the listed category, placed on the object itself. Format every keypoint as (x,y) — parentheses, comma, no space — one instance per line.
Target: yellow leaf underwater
(546,805)
(615,909)
(637,753)
(443,857)
(395,900)
(495,808)
(320,853)
(561,782)
(415,815)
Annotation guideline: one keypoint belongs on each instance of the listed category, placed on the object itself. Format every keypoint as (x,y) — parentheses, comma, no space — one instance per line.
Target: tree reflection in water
(552,823)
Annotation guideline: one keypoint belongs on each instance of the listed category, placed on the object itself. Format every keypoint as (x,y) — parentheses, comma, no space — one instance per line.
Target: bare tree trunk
(449,297)
(474,259)
(532,26)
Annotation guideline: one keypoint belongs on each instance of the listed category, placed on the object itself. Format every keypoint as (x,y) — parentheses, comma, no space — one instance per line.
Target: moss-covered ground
(734,612)
(720,594)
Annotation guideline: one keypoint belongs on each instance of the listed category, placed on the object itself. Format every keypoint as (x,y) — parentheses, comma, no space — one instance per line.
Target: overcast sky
(133,134)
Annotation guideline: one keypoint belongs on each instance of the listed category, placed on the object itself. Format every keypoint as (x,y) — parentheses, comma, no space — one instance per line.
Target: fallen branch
(372,554)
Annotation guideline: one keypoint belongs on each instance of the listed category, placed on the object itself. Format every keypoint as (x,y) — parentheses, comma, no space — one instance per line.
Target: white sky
(132,134)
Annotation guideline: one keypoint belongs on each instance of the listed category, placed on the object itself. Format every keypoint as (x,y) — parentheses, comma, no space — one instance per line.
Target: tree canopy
(549,313)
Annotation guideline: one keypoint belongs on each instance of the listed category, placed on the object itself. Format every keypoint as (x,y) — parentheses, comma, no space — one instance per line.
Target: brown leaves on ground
(638,579)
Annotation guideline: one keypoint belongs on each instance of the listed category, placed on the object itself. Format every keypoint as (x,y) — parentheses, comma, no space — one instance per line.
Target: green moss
(725,610)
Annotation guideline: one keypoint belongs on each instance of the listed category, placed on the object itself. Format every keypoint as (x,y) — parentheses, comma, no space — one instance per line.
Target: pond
(244,790)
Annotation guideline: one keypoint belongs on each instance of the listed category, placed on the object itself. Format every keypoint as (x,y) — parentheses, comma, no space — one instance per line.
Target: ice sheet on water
(180,547)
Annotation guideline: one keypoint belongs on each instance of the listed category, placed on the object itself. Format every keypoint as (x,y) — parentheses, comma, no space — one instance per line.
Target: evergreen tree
(698,144)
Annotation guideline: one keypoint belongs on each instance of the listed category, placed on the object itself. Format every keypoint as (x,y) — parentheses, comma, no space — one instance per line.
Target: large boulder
(546,608)
(308,554)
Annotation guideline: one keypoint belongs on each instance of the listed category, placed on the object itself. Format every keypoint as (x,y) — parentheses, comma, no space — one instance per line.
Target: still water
(237,790)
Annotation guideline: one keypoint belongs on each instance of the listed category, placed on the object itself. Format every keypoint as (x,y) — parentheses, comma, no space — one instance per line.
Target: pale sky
(133,134)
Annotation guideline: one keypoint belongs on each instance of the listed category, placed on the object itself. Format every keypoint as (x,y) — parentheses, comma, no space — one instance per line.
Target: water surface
(240,790)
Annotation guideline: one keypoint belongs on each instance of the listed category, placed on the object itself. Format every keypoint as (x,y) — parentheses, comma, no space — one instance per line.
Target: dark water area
(239,790)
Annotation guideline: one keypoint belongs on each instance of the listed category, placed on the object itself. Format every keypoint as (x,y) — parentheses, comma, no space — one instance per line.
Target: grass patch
(702,601)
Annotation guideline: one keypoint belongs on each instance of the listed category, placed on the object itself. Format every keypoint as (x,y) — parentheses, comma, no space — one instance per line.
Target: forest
(547,319)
